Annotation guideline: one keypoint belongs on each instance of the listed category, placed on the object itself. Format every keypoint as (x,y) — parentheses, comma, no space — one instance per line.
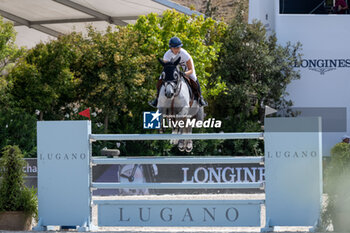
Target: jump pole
(293,177)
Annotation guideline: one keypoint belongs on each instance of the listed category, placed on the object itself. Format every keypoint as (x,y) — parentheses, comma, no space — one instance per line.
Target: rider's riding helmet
(175,42)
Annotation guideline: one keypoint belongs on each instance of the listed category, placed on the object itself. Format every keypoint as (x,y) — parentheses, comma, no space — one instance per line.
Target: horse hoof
(188,150)
(189,147)
(181,145)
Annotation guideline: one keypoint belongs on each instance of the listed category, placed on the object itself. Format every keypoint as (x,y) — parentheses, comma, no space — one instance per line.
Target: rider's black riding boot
(154,102)
(201,100)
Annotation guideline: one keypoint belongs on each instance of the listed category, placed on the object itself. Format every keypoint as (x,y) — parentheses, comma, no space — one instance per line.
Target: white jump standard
(293,180)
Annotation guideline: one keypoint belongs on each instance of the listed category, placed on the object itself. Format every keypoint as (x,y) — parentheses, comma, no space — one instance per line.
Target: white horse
(177,104)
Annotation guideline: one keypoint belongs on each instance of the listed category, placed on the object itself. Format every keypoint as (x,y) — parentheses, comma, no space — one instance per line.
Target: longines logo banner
(324,65)
(179,173)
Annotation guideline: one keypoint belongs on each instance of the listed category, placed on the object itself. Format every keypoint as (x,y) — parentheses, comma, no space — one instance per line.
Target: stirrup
(202,102)
(153,103)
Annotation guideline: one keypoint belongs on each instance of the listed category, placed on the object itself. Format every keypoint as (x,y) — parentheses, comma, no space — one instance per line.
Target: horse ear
(177,61)
(161,61)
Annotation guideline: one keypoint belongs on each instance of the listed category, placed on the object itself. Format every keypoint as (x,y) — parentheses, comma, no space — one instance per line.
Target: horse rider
(187,65)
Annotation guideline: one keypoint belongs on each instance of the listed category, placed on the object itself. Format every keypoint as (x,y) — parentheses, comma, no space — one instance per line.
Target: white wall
(263,10)
(323,37)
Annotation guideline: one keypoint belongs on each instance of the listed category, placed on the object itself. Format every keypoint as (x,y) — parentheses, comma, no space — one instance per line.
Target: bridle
(175,84)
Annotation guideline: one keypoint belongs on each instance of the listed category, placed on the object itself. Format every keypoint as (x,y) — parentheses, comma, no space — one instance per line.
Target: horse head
(170,76)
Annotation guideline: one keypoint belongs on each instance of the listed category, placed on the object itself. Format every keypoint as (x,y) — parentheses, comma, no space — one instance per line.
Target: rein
(177,87)
(177,92)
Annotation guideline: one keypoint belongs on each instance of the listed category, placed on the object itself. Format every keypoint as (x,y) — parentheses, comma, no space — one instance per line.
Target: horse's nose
(169,92)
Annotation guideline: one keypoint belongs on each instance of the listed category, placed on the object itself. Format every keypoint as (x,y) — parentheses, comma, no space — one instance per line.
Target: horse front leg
(188,142)
(175,130)
(181,144)
(161,130)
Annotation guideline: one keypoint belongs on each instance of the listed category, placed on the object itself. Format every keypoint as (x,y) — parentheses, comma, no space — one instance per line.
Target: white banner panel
(63,172)
(179,212)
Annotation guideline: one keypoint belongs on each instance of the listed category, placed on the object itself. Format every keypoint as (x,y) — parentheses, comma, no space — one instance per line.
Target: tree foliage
(14,195)
(337,186)
(9,52)
(43,80)
(116,76)
(256,70)
(16,125)
(114,72)
(200,37)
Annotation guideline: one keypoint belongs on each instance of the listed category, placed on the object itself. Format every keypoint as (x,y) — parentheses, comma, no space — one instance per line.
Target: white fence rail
(196,136)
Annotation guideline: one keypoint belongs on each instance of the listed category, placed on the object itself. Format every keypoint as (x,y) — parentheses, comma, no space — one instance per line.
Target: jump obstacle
(293,180)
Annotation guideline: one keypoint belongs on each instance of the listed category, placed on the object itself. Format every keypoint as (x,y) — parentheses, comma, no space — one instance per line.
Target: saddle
(193,87)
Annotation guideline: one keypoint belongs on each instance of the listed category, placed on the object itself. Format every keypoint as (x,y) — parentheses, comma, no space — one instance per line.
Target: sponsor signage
(323,65)
(222,174)
(63,161)
(31,172)
(292,154)
(62,156)
(179,213)
(31,168)
(293,170)
(181,173)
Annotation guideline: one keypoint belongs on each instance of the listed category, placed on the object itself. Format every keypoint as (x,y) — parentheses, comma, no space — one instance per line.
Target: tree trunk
(41,116)
(106,123)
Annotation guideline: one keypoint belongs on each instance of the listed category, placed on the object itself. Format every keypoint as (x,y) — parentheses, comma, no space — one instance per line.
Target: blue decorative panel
(63,172)
(293,171)
(179,213)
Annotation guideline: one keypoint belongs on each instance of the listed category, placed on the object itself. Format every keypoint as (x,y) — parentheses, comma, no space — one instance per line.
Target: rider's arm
(167,56)
(189,67)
